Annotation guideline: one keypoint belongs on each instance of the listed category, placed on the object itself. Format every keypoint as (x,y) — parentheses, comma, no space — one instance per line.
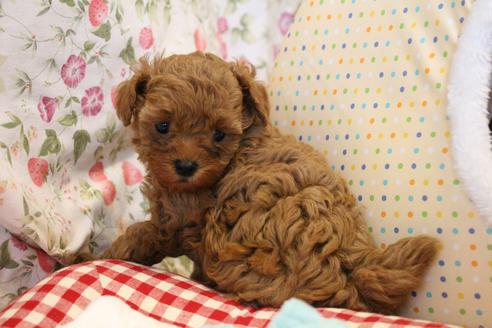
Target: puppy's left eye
(162,127)
(218,135)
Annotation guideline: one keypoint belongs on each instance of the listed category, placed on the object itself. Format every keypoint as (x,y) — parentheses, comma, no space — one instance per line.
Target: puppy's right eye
(162,127)
(219,135)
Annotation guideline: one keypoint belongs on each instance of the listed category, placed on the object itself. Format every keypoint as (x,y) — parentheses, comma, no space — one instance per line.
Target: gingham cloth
(166,297)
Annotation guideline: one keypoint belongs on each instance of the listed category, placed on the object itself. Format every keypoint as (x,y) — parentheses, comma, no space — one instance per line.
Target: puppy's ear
(256,108)
(131,93)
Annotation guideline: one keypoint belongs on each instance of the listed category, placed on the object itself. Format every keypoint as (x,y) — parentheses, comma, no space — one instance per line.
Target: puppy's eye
(218,135)
(162,127)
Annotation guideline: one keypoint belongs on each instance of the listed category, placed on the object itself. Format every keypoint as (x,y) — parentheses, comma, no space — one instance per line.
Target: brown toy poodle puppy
(262,215)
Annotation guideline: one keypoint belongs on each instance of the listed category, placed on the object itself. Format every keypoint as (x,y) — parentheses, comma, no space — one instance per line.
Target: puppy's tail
(386,277)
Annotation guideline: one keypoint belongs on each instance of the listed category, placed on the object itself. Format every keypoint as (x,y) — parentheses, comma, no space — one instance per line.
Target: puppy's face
(189,114)
(188,130)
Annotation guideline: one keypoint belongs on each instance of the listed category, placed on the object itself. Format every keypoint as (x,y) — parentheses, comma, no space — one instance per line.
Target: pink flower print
(73,71)
(200,43)
(19,244)
(146,39)
(284,22)
(222,25)
(92,101)
(46,108)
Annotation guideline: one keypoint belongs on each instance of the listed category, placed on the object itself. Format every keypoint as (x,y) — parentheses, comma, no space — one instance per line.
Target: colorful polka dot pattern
(365,83)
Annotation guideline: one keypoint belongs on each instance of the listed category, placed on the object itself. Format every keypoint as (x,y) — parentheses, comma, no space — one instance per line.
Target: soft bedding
(109,311)
(165,297)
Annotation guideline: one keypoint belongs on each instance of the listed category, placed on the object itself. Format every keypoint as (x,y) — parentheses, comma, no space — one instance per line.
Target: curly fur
(264,217)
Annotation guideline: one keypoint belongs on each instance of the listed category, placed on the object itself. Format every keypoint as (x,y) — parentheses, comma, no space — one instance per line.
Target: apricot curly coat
(263,217)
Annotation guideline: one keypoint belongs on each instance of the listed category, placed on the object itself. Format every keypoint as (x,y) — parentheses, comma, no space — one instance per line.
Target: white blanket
(109,311)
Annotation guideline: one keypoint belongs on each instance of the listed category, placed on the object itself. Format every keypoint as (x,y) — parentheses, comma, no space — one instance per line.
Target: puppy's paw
(118,253)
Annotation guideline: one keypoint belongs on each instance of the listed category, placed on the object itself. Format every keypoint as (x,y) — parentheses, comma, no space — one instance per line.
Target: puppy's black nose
(185,168)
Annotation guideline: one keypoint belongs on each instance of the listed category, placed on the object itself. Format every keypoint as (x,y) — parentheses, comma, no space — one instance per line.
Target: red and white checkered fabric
(166,297)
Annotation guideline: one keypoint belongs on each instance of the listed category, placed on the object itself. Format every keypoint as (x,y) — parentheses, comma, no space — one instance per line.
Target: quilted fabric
(166,297)
(365,83)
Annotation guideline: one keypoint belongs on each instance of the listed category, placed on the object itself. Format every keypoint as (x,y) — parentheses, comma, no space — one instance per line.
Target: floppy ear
(256,108)
(131,93)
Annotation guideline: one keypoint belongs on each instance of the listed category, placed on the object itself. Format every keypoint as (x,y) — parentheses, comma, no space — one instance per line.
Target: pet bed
(366,83)
(171,299)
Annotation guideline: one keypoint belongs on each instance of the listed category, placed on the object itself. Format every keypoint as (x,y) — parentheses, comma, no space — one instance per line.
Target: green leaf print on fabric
(5,261)
(80,139)
(104,31)
(14,122)
(68,119)
(9,157)
(70,3)
(128,54)
(51,144)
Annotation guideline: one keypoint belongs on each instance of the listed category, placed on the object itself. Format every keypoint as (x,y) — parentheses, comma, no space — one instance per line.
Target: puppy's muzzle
(185,168)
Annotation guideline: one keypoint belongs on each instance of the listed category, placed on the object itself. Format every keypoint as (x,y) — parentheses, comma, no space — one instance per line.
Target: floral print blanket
(68,176)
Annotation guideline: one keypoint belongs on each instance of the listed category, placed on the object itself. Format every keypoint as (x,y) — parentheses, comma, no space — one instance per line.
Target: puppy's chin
(185,185)
(192,184)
